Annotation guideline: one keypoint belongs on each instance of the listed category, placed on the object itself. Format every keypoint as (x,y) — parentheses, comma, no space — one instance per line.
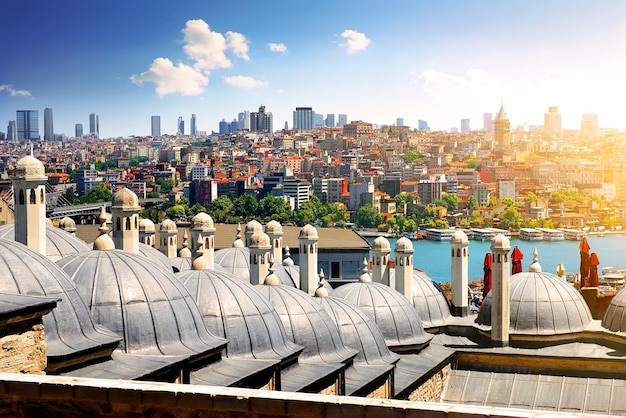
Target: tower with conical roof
(29,183)
(125,218)
(501,132)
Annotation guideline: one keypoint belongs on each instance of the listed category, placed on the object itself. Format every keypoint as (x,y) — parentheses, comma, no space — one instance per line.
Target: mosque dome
(202,221)
(273,228)
(459,237)
(396,317)
(260,240)
(252,227)
(429,300)
(235,310)
(358,331)
(615,315)
(125,198)
(147,226)
(168,225)
(307,324)
(59,243)
(141,302)
(404,245)
(69,328)
(381,244)
(155,256)
(541,304)
(67,224)
(30,168)
(308,231)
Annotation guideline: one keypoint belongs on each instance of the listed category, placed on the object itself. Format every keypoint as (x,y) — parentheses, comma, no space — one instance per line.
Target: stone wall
(22,349)
(432,389)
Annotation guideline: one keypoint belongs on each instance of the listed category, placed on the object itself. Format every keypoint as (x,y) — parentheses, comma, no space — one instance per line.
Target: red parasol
(487,274)
(594,262)
(584,262)
(516,258)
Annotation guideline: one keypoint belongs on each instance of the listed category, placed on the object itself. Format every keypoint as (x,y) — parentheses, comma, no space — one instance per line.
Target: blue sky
(440,61)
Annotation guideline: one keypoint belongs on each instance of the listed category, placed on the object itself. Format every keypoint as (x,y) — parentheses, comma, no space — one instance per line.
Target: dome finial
(271,279)
(365,273)
(560,270)
(185,251)
(104,241)
(535,267)
(200,262)
(103,215)
(238,243)
(321,291)
(287,261)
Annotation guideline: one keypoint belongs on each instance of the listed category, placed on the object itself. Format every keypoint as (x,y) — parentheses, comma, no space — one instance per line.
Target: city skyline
(436,62)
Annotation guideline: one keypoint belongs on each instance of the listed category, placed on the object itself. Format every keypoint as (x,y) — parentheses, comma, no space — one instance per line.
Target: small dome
(308,231)
(541,304)
(168,225)
(235,310)
(141,302)
(202,221)
(30,168)
(126,199)
(615,315)
(184,252)
(252,227)
(358,331)
(273,228)
(381,244)
(236,261)
(67,224)
(500,243)
(147,226)
(398,320)
(404,245)
(59,243)
(155,256)
(259,240)
(307,324)
(459,237)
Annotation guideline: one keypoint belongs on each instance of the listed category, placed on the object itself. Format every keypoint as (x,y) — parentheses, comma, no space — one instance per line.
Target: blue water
(434,257)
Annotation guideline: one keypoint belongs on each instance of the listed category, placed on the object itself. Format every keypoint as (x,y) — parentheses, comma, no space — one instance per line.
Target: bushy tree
(510,218)
(274,208)
(245,206)
(98,193)
(413,156)
(368,217)
(220,209)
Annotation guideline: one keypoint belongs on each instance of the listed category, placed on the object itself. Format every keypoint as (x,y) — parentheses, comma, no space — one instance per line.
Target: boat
(530,234)
(481,234)
(572,234)
(438,234)
(550,234)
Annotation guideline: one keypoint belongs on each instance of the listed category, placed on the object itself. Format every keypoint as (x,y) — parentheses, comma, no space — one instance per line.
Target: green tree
(509,202)
(441,224)
(413,156)
(220,209)
(176,213)
(274,208)
(472,163)
(333,214)
(98,193)
(368,217)
(531,196)
(472,203)
(165,185)
(70,195)
(448,200)
(493,201)
(246,206)
(510,218)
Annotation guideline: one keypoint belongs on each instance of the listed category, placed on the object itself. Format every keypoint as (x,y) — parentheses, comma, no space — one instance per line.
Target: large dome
(155,256)
(541,304)
(429,301)
(59,243)
(69,328)
(615,315)
(235,310)
(396,317)
(141,302)
(307,324)
(236,261)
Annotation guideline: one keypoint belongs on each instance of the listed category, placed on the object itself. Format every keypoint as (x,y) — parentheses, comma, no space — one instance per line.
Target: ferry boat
(438,234)
(481,234)
(530,234)
(550,234)
(497,231)
(612,277)
(572,234)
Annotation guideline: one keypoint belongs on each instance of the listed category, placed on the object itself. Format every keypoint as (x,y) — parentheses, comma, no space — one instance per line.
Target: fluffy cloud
(170,78)
(238,44)
(245,82)
(280,47)
(354,41)
(205,47)
(13,92)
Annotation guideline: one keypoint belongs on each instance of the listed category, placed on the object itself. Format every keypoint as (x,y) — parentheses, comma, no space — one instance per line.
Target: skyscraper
(155,124)
(330,120)
(180,126)
(244,120)
(27,124)
(552,122)
(261,121)
(342,119)
(94,124)
(192,125)
(12,131)
(422,125)
(48,125)
(465,126)
(399,121)
(303,119)
(488,122)
(78,130)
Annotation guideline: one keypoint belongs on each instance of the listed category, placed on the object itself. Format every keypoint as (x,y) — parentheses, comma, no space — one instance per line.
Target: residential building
(298,189)
(86,179)
(357,129)
(27,124)
(48,125)
(320,189)
(431,188)
(482,193)
(506,188)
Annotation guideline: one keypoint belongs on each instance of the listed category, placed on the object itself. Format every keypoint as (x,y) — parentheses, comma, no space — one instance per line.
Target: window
(335,269)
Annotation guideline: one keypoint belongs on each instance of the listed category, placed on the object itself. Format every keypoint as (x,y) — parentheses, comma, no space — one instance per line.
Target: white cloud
(13,92)
(474,84)
(204,46)
(277,47)
(245,82)
(239,44)
(355,41)
(170,78)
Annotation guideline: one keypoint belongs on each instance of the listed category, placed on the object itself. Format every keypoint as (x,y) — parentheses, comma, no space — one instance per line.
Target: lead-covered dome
(125,198)
(202,221)
(541,304)
(235,310)
(396,317)
(141,302)
(156,256)
(59,243)
(30,168)
(381,244)
(615,315)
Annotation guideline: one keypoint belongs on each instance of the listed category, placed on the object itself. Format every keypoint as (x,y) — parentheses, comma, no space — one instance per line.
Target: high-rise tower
(502,132)
(12,131)
(48,125)
(180,126)
(155,125)
(192,125)
(78,130)
(303,119)
(27,124)
(552,122)
(94,124)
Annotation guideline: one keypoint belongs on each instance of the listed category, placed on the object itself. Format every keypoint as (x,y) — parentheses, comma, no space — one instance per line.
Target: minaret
(250,228)
(459,273)
(260,254)
(202,224)
(501,132)
(168,238)
(29,184)
(308,239)
(404,267)
(274,230)
(500,317)
(380,260)
(125,218)
(147,232)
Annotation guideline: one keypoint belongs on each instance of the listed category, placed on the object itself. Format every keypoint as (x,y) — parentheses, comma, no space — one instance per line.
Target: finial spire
(535,267)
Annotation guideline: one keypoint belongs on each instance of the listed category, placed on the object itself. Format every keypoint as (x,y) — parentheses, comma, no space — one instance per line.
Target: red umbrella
(516,258)
(487,274)
(594,262)
(584,262)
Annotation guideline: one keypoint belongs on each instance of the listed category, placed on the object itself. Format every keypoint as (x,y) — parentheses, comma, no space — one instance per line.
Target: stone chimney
(260,253)
(125,218)
(274,230)
(250,228)
(500,316)
(404,267)
(168,238)
(380,260)
(147,232)
(29,184)
(459,273)
(202,225)
(308,239)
